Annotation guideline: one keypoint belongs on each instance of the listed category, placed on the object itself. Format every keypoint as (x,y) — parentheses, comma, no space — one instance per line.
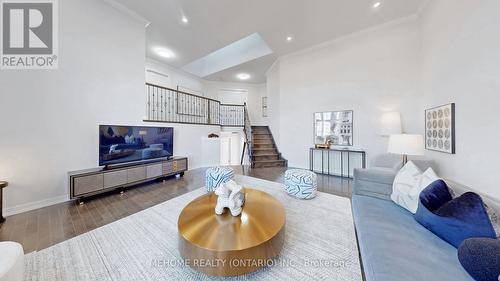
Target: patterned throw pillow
(408,184)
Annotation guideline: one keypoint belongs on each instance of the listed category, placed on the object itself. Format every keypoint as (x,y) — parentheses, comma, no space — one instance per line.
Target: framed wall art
(440,128)
(334,127)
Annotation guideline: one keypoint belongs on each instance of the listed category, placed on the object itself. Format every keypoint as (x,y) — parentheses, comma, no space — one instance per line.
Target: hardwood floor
(42,228)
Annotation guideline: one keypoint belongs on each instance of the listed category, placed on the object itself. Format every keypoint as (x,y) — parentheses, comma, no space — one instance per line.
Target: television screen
(121,144)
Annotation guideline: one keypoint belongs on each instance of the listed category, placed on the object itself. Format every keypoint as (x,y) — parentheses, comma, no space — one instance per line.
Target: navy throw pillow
(435,195)
(480,257)
(453,220)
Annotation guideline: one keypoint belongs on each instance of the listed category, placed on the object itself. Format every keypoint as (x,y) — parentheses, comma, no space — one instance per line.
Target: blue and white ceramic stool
(216,176)
(302,184)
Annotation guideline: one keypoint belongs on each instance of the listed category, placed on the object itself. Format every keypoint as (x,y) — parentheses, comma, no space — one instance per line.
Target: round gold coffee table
(225,245)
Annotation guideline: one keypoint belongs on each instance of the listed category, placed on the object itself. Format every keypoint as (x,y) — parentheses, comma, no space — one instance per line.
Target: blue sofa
(393,245)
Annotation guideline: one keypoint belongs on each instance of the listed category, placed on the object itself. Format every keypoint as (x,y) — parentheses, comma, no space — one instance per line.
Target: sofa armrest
(375,182)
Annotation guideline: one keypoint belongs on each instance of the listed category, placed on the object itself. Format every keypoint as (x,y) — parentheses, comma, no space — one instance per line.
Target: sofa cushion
(454,220)
(395,247)
(481,258)
(374,182)
(408,184)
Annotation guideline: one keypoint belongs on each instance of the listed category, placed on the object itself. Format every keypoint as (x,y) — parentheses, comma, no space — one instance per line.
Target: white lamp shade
(406,144)
(390,123)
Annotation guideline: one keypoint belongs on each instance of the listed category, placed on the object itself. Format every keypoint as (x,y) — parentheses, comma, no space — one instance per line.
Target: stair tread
(263,146)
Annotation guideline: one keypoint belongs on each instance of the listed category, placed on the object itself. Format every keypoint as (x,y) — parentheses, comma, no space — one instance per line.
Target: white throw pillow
(428,177)
(408,184)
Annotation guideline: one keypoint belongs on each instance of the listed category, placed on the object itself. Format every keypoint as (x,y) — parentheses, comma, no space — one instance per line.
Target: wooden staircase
(264,150)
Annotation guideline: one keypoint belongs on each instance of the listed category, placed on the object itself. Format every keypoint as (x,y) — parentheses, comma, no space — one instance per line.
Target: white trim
(172,68)
(275,63)
(35,205)
(237,91)
(157,72)
(337,40)
(126,11)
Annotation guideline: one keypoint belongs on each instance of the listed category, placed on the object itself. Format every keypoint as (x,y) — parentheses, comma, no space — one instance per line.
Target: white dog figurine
(230,196)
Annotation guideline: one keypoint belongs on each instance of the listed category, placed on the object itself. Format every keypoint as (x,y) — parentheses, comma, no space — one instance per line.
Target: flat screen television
(127,144)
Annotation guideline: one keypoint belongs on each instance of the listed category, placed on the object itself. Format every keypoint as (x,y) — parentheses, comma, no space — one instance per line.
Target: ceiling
(214,24)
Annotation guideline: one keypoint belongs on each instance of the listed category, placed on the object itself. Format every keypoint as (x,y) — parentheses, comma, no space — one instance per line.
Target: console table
(2,185)
(94,181)
(336,162)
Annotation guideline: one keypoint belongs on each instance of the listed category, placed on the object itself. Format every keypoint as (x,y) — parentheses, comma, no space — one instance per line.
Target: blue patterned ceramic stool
(302,184)
(216,176)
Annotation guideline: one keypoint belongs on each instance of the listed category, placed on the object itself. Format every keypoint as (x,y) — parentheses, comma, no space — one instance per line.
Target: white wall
(273,101)
(188,139)
(369,72)
(175,78)
(254,93)
(49,119)
(461,64)
(254,104)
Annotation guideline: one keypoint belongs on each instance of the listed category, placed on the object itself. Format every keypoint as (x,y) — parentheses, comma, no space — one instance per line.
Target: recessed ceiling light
(184,19)
(289,38)
(377,4)
(164,52)
(243,76)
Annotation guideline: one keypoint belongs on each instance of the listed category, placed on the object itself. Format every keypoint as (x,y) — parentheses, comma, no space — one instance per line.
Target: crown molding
(128,12)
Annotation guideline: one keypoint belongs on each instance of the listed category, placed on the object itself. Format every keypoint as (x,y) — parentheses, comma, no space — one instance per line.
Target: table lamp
(390,124)
(406,144)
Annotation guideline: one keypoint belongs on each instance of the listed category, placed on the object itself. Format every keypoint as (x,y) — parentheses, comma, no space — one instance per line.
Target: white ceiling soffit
(241,51)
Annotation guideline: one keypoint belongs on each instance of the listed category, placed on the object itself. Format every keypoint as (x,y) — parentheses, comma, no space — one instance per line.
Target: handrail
(174,106)
(178,91)
(247,129)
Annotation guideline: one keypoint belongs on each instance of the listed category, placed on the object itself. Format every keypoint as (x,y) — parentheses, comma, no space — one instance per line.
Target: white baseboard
(34,205)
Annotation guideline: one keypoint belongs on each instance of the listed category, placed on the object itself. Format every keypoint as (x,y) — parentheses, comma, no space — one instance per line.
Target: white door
(231,147)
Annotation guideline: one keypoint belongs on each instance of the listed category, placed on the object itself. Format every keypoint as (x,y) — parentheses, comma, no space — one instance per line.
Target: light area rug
(320,244)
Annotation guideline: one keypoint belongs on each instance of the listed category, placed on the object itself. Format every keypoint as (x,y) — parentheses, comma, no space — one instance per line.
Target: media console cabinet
(90,182)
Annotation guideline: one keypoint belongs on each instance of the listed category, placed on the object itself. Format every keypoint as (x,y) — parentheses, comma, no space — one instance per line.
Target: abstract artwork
(440,128)
(335,127)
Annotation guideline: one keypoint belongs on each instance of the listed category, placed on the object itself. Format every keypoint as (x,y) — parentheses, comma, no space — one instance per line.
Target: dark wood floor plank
(42,228)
